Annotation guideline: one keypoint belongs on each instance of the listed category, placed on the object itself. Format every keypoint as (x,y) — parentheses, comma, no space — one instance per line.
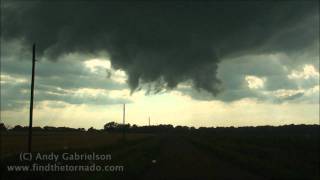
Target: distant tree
(49,128)
(192,128)
(181,129)
(111,126)
(126,126)
(19,128)
(2,127)
(37,128)
(92,130)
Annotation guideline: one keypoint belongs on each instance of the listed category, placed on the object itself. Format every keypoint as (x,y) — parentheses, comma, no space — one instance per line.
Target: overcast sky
(209,63)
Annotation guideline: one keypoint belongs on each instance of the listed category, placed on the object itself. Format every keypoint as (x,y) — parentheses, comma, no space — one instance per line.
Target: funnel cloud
(162,44)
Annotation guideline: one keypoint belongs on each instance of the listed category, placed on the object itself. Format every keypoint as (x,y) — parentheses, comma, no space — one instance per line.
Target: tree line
(114,127)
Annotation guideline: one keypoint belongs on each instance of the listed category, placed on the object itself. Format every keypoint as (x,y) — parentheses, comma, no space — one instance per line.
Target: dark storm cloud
(69,73)
(164,42)
(274,69)
(66,75)
(15,96)
(56,83)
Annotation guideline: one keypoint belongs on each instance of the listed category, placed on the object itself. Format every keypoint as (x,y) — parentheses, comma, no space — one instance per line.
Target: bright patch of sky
(255,82)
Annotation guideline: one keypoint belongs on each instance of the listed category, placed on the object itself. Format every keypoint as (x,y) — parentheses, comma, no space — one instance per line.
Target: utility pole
(149,120)
(124,121)
(31,97)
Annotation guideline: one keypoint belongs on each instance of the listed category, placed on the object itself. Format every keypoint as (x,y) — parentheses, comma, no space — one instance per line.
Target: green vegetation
(286,152)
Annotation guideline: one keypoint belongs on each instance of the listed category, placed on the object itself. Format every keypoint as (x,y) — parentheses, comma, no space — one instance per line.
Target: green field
(174,155)
(13,142)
